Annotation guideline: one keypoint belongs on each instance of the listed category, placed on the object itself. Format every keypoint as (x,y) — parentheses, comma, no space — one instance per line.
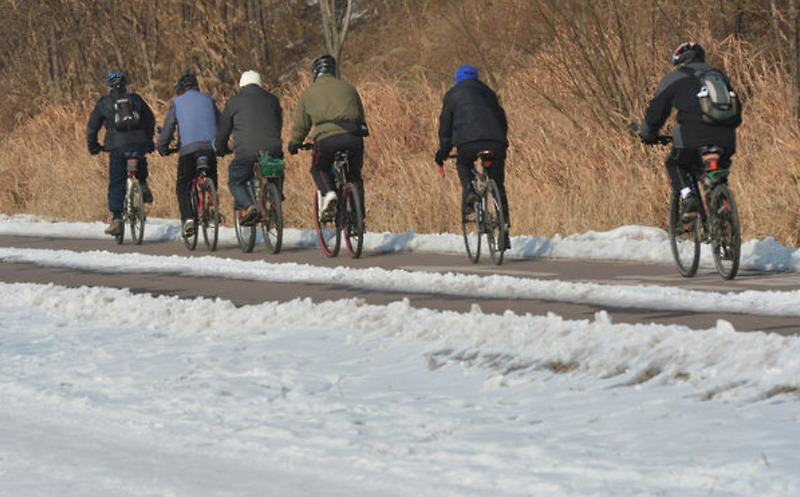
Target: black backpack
(126,114)
(719,104)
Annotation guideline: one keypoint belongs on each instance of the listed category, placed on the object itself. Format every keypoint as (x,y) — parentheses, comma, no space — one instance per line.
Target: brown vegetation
(570,81)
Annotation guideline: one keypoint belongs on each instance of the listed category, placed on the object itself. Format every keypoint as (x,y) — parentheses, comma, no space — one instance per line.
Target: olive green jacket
(328,99)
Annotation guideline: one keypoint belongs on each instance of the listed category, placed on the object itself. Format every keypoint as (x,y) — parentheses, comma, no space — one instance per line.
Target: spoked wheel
(328,227)
(352,221)
(136,215)
(272,225)
(191,240)
(209,218)
(726,238)
(684,239)
(245,235)
(495,223)
(471,227)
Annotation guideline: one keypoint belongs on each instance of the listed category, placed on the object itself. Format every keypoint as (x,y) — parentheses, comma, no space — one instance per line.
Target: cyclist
(195,116)
(473,120)
(679,89)
(334,108)
(255,119)
(129,124)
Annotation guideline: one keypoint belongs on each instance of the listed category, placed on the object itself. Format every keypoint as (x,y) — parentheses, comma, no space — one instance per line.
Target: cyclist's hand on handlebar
(649,140)
(441,156)
(95,148)
(293,148)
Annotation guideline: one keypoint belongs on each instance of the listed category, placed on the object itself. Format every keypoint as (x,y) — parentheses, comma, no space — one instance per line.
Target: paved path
(247,292)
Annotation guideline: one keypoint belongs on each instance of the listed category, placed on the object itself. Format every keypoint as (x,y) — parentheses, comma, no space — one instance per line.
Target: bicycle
(717,222)
(133,212)
(266,196)
(346,218)
(485,215)
(204,203)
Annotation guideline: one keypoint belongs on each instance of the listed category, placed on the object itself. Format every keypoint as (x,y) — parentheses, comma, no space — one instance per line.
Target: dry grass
(570,169)
(561,178)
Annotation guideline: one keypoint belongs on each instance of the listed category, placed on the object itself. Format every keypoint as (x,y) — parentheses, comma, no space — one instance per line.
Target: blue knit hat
(466,72)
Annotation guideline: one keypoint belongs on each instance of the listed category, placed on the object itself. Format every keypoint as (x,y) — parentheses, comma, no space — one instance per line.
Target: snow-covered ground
(110,393)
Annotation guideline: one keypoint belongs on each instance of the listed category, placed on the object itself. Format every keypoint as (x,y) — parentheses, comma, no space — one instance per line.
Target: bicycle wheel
(272,225)
(245,235)
(471,228)
(191,240)
(684,239)
(136,214)
(210,216)
(495,223)
(726,238)
(329,233)
(352,221)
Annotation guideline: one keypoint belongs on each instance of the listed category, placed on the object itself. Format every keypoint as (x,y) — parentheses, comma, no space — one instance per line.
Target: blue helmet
(116,81)
(466,72)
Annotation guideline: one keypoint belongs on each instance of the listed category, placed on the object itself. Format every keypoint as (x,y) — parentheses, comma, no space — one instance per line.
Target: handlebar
(660,139)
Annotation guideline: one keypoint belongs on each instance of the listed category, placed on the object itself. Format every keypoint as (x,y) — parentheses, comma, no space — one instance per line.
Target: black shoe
(147,195)
(690,205)
(469,203)
(507,242)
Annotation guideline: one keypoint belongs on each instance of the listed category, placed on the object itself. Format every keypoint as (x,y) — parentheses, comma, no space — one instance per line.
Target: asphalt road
(242,292)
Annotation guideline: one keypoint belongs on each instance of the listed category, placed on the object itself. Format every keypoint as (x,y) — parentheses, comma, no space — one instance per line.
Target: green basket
(272,166)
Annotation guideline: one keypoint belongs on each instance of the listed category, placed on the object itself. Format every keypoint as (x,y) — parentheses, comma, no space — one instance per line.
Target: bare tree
(335,23)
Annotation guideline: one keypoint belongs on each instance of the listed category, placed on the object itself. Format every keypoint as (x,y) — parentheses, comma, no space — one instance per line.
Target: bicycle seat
(342,155)
(710,149)
(202,163)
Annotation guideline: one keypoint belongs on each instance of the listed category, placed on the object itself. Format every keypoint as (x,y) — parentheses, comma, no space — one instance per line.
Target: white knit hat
(250,78)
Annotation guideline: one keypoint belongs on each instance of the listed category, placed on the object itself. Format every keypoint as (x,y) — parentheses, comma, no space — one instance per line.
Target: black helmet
(116,81)
(690,51)
(324,64)
(186,81)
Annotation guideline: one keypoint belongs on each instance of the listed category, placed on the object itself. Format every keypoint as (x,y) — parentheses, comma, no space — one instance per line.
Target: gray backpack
(719,105)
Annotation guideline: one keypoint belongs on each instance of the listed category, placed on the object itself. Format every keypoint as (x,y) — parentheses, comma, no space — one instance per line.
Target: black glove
(441,156)
(221,152)
(648,140)
(293,148)
(151,148)
(94,148)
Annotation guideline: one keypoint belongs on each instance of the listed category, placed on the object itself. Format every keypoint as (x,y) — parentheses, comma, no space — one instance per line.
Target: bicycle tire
(684,239)
(245,235)
(726,238)
(352,221)
(272,225)
(495,223)
(136,213)
(471,229)
(210,217)
(329,231)
(191,241)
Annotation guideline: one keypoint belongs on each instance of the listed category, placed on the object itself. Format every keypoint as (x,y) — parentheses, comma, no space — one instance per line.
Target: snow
(106,392)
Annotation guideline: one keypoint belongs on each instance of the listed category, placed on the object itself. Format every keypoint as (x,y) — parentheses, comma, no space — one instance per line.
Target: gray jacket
(255,119)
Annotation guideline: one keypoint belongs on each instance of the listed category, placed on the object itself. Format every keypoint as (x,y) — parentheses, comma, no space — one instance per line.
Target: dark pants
(240,171)
(682,161)
(187,170)
(117,177)
(468,154)
(323,157)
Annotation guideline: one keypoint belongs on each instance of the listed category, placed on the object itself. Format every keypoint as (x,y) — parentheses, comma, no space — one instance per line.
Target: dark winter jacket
(679,89)
(103,115)
(471,112)
(255,119)
(327,100)
(195,116)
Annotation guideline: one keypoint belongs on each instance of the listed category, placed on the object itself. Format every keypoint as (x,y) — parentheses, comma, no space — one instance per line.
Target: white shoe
(329,201)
